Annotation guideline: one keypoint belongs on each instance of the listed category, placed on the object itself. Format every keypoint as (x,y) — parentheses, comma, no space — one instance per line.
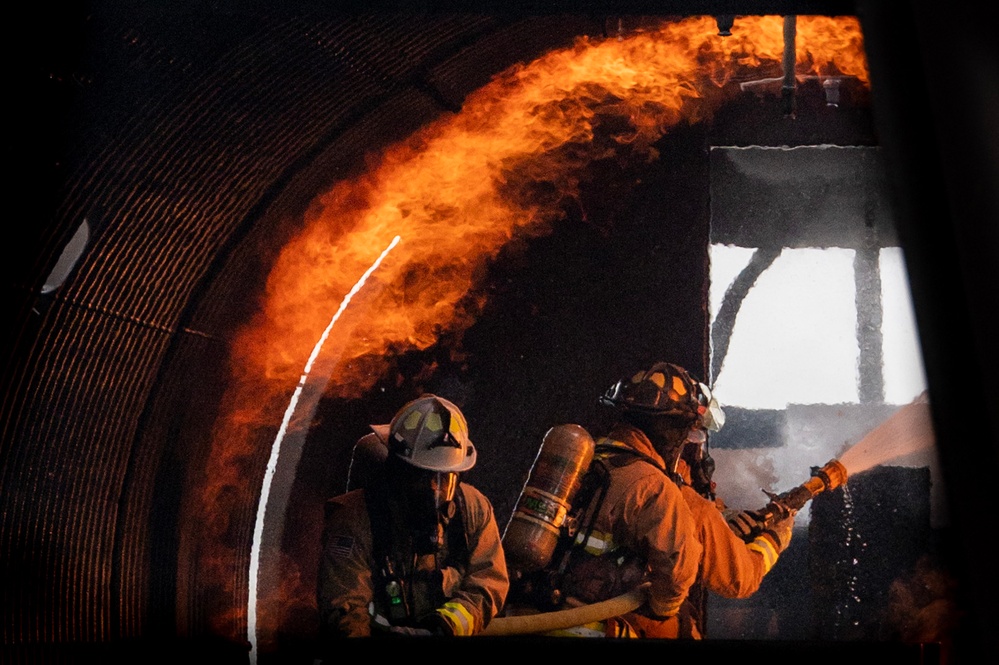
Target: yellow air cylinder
(533,532)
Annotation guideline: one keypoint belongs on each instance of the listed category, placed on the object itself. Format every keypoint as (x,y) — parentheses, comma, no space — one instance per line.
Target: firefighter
(415,551)
(638,528)
(674,411)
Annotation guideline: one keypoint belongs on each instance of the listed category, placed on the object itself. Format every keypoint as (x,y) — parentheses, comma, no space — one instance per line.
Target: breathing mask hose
(702,468)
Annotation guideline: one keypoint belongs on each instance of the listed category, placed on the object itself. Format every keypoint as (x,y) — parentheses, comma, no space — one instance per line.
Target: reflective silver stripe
(378,618)
(766,549)
(461,620)
(598,543)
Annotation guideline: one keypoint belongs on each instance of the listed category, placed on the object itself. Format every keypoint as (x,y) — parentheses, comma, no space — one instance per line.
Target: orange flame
(465,186)
(458,190)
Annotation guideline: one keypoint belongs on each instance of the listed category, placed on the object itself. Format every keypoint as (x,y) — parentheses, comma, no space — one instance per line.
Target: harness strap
(390,579)
(607,452)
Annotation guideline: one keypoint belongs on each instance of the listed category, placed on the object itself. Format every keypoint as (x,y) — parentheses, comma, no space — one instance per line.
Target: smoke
(742,474)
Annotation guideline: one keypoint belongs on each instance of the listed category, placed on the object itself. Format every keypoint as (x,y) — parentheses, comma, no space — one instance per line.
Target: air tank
(536,525)
(367,457)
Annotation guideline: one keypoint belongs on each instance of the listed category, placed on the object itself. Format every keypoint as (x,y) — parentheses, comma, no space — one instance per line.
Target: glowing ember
(459,191)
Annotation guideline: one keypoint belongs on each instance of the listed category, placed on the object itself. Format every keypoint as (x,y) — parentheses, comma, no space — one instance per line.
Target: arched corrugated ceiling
(189,141)
(202,136)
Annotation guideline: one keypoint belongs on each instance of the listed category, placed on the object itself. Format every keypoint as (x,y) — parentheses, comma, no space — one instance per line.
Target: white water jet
(908,432)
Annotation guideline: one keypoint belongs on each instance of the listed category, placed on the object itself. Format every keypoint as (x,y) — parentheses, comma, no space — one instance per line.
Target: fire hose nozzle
(833,474)
(824,478)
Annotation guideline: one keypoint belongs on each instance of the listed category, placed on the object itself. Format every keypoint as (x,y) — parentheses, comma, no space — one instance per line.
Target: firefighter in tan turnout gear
(737,551)
(658,519)
(415,551)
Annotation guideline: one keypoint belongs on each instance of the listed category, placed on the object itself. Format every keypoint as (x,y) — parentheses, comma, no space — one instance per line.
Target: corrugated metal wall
(193,126)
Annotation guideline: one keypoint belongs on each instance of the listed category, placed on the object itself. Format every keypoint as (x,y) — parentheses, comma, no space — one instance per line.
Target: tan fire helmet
(666,389)
(431,433)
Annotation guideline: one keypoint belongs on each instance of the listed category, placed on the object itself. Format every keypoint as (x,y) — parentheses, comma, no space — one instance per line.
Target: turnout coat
(466,582)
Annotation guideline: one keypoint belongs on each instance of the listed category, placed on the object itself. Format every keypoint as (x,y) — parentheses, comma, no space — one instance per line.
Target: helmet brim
(444,465)
(381,431)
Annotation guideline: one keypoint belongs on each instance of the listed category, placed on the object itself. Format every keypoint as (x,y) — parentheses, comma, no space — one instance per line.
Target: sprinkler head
(725,24)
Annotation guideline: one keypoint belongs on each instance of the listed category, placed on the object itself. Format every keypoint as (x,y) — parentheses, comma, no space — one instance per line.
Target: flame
(458,192)
(831,47)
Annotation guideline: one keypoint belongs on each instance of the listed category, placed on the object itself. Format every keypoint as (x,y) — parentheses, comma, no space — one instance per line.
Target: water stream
(907,432)
(847,610)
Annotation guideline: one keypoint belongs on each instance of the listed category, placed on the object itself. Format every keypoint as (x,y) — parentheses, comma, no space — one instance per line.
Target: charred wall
(865,542)
(189,140)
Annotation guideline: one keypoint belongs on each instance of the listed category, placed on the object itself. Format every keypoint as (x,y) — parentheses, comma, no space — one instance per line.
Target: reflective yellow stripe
(766,550)
(457,615)
(614,443)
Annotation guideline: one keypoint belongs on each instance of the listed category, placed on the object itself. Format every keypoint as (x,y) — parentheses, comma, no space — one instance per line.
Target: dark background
(111,383)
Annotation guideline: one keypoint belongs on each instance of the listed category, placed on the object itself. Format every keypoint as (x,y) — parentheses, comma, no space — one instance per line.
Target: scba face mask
(429,497)
(710,411)
(443,484)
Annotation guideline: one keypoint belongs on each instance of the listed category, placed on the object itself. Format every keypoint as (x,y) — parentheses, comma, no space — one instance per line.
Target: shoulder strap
(387,582)
(458,547)
(376,502)
(596,482)
(622,456)
(586,506)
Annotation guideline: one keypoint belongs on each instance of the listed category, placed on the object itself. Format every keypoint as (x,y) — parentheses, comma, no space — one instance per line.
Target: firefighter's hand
(435,624)
(406,631)
(781,532)
(745,523)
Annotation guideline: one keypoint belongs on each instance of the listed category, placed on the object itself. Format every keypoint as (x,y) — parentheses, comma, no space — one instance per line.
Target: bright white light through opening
(903,365)
(795,343)
(795,337)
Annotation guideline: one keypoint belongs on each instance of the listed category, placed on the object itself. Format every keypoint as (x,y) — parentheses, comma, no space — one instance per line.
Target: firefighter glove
(435,624)
(745,523)
(780,532)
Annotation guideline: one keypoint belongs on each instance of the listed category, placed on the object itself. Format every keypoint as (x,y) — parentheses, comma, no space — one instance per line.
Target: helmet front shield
(431,433)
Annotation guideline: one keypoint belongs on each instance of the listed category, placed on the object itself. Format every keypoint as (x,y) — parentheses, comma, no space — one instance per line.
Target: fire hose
(544,622)
(830,476)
